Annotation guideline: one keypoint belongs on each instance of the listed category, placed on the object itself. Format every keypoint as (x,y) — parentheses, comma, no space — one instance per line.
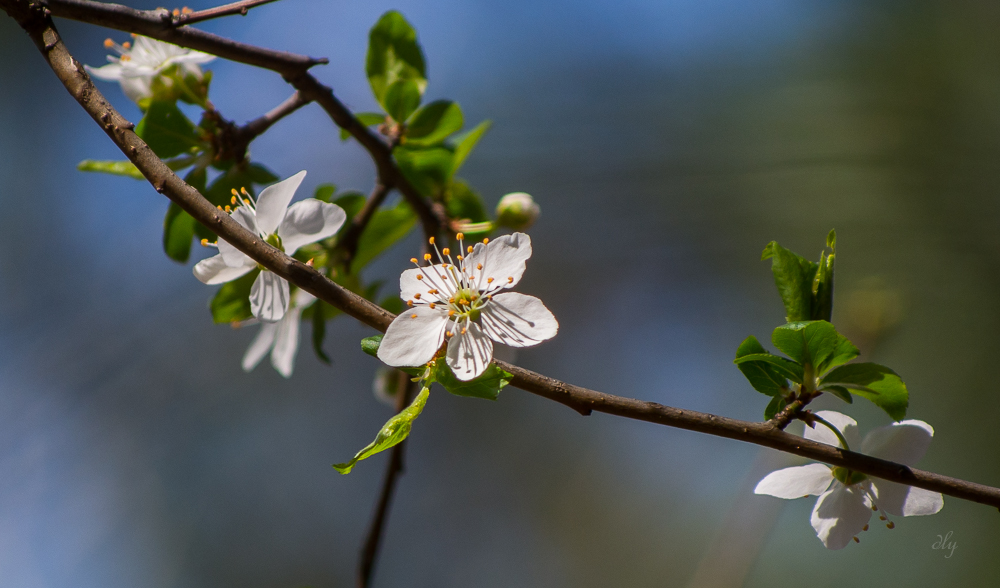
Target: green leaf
(433,123)
(386,227)
(370,344)
(401,99)
(806,342)
(178,230)
(844,352)
(117,168)
(428,169)
(232,301)
(875,382)
(822,288)
(351,202)
(392,303)
(325,192)
(166,130)
(367,119)
(220,192)
(487,386)
(394,54)
(393,432)
(776,405)
(785,367)
(762,376)
(258,174)
(840,392)
(319,330)
(462,202)
(465,142)
(793,275)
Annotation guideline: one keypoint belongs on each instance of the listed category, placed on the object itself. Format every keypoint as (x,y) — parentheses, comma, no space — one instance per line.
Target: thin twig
(36,22)
(348,242)
(369,552)
(240,8)
(157,24)
(257,126)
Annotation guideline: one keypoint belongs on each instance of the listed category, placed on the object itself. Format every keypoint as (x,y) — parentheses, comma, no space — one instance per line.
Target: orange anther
(108,43)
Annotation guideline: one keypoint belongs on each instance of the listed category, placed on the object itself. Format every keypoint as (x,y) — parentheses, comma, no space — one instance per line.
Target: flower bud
(517,211)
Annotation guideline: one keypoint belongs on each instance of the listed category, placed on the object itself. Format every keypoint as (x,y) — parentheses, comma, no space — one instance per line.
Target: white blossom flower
(283,226)
(138,65)
(464,304)
(280,338)
(847,499)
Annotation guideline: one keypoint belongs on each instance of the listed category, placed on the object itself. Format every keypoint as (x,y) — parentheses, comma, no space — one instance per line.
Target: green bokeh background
(666,143)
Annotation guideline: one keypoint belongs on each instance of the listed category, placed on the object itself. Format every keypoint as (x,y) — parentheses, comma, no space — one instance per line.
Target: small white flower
(847,499)
(280,338)
(285,227)
(463,303)
(138,65)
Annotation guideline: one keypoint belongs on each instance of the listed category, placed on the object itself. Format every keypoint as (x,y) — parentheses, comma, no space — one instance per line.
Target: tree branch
(157,24)
(240,8)
(369,553)
(36,22)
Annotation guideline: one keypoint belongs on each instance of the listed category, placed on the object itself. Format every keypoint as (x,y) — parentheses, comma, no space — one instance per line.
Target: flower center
(274,241)
(848,477)
(451,285)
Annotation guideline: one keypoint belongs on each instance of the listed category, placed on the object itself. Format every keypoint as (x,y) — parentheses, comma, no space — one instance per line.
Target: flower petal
(904,442)
(433,278)
(273,202)
(286,343)
(269,297)
(845,424)
(469,352)
(136,88)
(518,320)
(302,299)
(111,72)
(309,221)
(215,270)
(413,341)
(232,255)
(796,482)
(502,259)
(840,514)
(261,345)
(907,501)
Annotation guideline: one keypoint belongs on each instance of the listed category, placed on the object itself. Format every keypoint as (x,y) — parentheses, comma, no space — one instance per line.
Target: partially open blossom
(517,211)
(283,226)
(137,66)
(281,339)
(846,498)
(462,301)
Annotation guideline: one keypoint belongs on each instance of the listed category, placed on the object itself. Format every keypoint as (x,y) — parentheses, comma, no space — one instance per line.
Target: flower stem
(836,431)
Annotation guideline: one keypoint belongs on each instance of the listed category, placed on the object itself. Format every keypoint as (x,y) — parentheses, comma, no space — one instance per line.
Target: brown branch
(369,552)
(240,8)
(157,24)
(259,125)
(35,20)
(348,242)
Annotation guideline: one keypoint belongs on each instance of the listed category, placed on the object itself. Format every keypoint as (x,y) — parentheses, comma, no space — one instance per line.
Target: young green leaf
(466,142)
(486,386)
(793,275)
(117,168)
(370,344)
(178,230)
(875,382)
(840,393)
(806,342)
(393,432)
(166,130)
(762,376)
(232,301)
(844,352)
(394,54)
(351,202)
(433,123)
(822,288)
(462,202)
(785,367)
(386,227)
(402,97)
(319,317)
(776,405)
(428,169)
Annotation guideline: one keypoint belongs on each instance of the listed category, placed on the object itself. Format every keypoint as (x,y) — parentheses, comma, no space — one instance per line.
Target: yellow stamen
(486,240)
(413,260)
(479,266)
(235,193)
(409,303)
(219,206)
(431,240)
(432,305)
(126,58)
(856,540)
(489,280)
(108,43)
(510,280)
(204,242)
(865,528)
(246,201)
(417,295)
(228,209)
(890,525)
(233,200)
(127,45)
(427,256)
(176,12)
(413,315)
(468,249)
(186,10)
(460,236)
(446,251)
(451,300)
(451,313)
(447,333)
(419,277)
(460,258)
(463,330)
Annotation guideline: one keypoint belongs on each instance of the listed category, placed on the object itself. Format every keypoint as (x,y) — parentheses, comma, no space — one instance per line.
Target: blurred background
(667,142)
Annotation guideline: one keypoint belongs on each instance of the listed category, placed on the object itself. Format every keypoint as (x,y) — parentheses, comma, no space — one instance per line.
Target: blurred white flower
(463,303)
(138,65)
(847,499)
(280,338)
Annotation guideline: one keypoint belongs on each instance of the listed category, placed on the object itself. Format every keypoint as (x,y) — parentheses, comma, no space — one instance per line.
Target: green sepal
(875,382)
(167,131)
(764,377)
(393,432)
(365,118)
(776,405)
(433,123)
(793,275)
(785,367)
(487,385)
(394,54)
(466,142)
(232,302)
(806,342)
